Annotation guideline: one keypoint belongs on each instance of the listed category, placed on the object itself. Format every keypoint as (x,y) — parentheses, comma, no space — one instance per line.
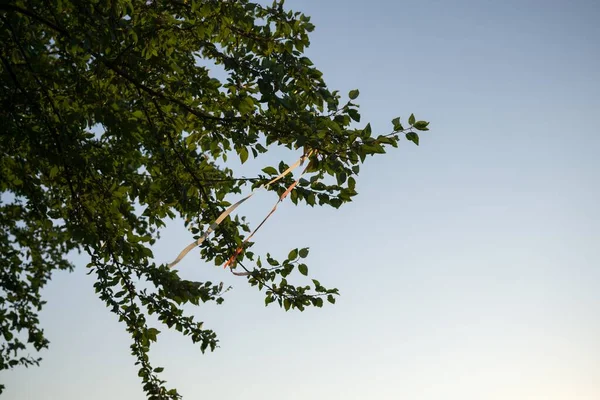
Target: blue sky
(468,266)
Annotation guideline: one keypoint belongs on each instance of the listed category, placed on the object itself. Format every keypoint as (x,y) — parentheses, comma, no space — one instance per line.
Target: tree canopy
(113,119)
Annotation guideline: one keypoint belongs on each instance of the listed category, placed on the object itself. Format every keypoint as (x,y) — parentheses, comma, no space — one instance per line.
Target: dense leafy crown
(112,119)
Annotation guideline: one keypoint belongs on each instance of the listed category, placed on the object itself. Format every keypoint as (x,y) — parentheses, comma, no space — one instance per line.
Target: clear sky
(469,267)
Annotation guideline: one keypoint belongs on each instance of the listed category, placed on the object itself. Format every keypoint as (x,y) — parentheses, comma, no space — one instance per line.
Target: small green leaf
(397,125)
(351,183)
(303,252)
(421,125)
(269,299)
(353,94)
(270,170)
(152,333)
(303,269)
(286,304)
(354,115)
(53,171)
(159,369)
(331,299)
(413,137)
(411,119)
(246,105)
(293,255)
(243,152)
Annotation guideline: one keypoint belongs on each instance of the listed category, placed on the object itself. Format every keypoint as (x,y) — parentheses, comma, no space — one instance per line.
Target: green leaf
(353,94)
(282,167)
(354,114)
(303,252)
(243,152)
(53,171)
(269,299)
(397,125)
(293,255)
(286,304)
(351,183)
(152,334)
(331,299)
(303,269)
(246,105)
(413,137)
(421,125)
(367,131)
(411,119)
(270,171)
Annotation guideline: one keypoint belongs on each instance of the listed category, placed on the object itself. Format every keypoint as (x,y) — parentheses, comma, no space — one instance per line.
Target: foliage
(113,120)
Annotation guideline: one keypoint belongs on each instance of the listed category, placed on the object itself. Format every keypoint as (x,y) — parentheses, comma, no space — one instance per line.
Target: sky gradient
(469,267)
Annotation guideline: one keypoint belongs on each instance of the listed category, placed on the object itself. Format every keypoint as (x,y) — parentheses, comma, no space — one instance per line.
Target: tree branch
(20,10)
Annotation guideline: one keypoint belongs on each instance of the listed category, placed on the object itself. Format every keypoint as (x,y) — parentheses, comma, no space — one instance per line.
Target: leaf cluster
(113,121)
